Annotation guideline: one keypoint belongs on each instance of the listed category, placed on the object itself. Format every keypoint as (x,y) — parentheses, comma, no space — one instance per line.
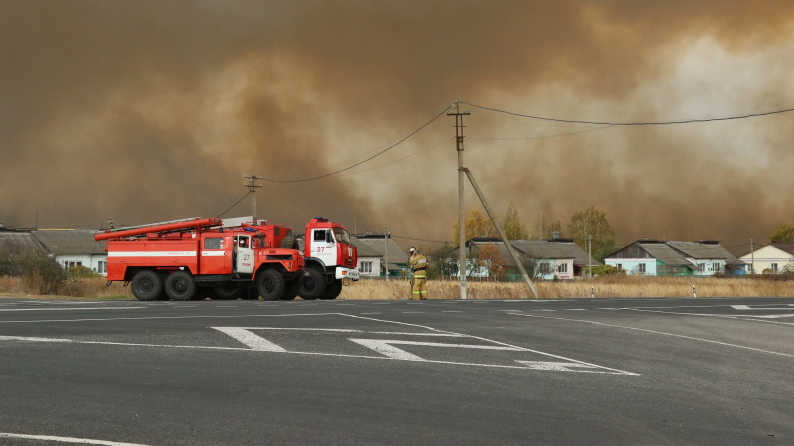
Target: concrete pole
(590,256)
(461,223)
(752,258)
(386,254)
(501,232)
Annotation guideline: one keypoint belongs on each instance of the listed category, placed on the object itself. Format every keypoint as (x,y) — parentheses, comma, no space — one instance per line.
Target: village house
(74,247)
(374,250)
(770,259)
(672,258)
(550,259)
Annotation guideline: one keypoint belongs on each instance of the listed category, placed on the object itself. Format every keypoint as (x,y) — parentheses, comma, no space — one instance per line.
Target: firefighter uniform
(418,264)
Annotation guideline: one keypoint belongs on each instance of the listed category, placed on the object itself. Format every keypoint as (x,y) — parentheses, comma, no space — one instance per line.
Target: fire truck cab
(330,258)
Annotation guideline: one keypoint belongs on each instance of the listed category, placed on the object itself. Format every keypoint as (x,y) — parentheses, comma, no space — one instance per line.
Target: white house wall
(763,259)
(90,261)
(554,265)
(376,266)
(632,266)
(708,268)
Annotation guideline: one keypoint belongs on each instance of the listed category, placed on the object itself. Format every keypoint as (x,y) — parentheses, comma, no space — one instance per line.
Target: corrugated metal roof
(375,247)
(74,241)
(18,242)
(697,250)
(664,253)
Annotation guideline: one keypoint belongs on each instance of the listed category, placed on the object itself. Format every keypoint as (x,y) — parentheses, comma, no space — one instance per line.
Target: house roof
(788,247)
(540,249)
(375,247)
(665,254)
(18,242)
(71,241)
(703,250)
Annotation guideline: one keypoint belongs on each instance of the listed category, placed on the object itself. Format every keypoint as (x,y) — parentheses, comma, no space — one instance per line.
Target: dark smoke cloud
(153,110)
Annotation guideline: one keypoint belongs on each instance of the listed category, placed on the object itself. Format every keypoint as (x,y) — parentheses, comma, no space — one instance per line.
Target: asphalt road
(602,371)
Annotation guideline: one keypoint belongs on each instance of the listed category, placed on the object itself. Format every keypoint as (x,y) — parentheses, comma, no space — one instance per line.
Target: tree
(477,225)
(512,225)
(783,234)
(592,222)
(488,256)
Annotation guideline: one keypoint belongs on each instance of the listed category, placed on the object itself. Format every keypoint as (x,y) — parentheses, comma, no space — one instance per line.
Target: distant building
(74,247)
(374,250)
(672,258)
(556,258)
(774,258)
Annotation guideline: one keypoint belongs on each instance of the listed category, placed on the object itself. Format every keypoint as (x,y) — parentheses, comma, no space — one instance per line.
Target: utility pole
(590,256)
(252,186)
(461,224)
(752,258)
(386,254)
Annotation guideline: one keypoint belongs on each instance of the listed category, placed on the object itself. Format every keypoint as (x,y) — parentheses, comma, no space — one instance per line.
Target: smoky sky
(145,111)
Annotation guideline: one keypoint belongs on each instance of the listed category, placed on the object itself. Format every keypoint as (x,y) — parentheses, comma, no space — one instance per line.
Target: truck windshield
(341,235)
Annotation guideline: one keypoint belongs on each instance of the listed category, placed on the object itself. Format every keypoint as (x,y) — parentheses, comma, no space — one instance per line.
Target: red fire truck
(186,258)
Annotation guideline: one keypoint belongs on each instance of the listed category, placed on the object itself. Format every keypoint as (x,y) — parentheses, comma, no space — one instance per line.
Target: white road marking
(558,366)
(376,312)
(412,312)
(256,343)
(550,355)
(747,307)
(575,309)
(32,339)
(72,440)
(447,311)
(768,316)
(662,333)
(739,317)
(147,318)
(385,349)
(68,308)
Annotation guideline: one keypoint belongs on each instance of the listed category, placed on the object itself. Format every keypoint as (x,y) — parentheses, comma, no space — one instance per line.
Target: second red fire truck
(187,258)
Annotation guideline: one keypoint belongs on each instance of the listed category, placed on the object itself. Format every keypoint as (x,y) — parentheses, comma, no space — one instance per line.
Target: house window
(619,266)
(715,267)
(641,268)
(774,267)
(562,268)
(102,267)
(701,267)
(366,267)
(545,268)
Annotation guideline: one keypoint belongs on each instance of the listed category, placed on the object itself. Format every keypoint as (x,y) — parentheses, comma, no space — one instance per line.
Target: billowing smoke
(148,110)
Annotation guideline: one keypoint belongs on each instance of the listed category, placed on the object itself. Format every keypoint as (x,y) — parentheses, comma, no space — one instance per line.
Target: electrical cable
(234,205)
(365,160)
(526,138)
(629,123)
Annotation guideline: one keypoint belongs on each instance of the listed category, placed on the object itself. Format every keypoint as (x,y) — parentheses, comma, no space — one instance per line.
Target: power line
(235,204)
(365,160)
(531,137)
(404,237)
(629,123)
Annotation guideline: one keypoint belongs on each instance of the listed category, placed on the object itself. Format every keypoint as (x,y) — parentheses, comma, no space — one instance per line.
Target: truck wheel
(270,284)
(146,285)
(311,284)
(332,290)
(226,290)
(180,286)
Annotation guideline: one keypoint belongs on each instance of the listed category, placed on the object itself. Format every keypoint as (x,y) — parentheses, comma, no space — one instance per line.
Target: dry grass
(91,287)
(617,286)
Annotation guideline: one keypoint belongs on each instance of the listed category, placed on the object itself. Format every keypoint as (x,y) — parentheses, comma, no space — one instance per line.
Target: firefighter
(418,264)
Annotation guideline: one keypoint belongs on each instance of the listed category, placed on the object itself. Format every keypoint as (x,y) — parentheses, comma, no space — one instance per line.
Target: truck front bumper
(346,273)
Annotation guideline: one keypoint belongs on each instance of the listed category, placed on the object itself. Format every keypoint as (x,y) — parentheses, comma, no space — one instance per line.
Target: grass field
(612,286)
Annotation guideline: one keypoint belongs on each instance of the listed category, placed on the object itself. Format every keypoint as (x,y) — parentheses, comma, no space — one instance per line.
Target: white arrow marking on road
(386,347)
(250,339)
(558,366)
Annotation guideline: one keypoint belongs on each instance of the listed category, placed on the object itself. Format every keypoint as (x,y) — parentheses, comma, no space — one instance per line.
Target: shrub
(41,274)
